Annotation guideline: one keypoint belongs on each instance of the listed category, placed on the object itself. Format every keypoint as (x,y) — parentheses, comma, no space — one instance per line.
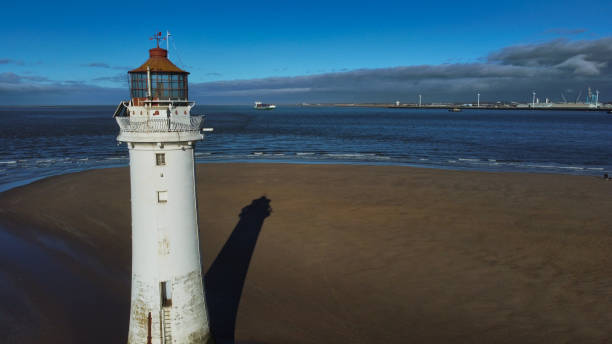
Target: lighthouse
(167,298)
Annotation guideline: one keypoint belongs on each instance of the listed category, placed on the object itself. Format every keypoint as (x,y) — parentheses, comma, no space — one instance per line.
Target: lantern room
(158,79)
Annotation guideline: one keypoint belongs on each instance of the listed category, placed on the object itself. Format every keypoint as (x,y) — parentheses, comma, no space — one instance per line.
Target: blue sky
(94,43)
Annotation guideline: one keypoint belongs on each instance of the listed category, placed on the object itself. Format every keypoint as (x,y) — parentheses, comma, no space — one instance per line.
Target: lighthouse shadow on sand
(225,278)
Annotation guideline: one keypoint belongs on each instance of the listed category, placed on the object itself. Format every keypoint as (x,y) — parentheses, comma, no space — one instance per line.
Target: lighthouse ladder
(167,328)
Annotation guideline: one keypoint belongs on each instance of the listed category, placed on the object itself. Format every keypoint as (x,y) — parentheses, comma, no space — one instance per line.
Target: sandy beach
(348,254)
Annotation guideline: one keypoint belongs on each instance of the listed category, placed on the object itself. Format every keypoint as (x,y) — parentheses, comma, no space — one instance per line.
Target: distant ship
(262,106)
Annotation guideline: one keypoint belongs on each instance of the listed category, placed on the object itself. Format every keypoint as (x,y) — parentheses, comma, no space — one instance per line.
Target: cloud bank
(10,61)
(510,74)
(23,90)
(551,68)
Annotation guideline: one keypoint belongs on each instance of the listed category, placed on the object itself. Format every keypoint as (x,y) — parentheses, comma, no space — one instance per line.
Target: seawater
(41,141)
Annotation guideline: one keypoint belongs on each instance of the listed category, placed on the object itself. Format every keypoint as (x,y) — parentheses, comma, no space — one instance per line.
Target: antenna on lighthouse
(168,34)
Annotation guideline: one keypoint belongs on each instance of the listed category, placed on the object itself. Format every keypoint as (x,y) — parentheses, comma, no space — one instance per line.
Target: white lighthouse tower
(168,304)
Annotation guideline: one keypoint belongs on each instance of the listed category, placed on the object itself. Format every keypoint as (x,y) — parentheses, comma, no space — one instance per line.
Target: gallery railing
(160,125)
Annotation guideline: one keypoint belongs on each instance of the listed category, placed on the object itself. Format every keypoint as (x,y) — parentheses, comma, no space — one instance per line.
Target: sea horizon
(560,142)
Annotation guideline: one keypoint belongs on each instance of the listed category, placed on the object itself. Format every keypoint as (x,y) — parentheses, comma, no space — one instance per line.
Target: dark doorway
(166,294)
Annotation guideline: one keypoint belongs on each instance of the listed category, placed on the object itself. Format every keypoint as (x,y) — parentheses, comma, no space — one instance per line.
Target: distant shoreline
(460,106)
(604,107)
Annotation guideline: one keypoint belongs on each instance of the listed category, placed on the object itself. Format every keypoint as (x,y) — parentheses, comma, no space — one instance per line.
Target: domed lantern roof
(158,62)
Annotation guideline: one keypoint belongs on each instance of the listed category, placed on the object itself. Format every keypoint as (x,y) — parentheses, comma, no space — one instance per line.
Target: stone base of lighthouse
(168,301)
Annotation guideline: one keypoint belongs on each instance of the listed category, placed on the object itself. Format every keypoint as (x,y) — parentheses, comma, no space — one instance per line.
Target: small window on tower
(162,196)
(160,159)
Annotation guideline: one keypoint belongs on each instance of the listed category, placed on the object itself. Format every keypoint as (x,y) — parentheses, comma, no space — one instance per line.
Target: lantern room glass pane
(163,85)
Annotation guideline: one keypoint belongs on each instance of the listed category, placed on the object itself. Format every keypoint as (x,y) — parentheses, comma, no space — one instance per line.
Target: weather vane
(158,37)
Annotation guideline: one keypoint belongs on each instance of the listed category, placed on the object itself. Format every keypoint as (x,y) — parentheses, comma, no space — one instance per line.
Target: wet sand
(355,254)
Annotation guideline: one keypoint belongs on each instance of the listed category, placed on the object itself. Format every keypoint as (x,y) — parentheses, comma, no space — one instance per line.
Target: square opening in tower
(162,196)
(160,159)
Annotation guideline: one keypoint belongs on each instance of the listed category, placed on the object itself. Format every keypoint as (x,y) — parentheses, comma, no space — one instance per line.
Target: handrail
(159,125)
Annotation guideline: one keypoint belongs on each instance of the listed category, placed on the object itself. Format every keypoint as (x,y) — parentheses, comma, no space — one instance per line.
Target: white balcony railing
(160,125)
